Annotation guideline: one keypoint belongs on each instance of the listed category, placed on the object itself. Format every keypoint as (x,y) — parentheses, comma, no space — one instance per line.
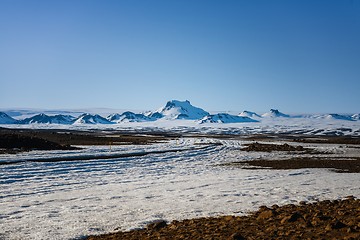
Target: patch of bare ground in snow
(335,164)
(263,147)
(337,219)
(341,164)
(20,140)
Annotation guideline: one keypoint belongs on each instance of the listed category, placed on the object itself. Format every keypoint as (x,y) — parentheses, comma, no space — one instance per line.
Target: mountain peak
(88,118)
(176,109)
(6,119)
(249,114)
(275,113)
(128,117)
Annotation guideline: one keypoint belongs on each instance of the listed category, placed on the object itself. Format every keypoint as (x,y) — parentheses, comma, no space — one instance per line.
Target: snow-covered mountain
(180,110)
(225,118)
(274,113)
(87,118)
(43,118)
(356,116)
(173,110)
(6,119)
(338,117)
(128,117)
(154,115)
(249,114)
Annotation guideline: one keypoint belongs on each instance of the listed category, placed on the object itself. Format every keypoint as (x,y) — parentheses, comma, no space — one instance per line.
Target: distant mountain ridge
(172,110)
(225,118)
(6,119)
(43,118)
(88,118)
(129,117)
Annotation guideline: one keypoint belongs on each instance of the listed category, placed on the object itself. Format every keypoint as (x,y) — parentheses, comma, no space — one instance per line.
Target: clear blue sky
(298,56)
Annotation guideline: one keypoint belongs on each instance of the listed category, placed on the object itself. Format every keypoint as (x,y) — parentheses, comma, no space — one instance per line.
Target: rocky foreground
(338,219)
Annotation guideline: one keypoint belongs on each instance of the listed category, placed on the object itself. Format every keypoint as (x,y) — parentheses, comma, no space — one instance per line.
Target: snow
(87,118)
(22,113)
(225,118)
(128,117)
(275,113)
(356,116)
(292,125)
(43,118)
(181,110)
(249,114)
(67,200)
(172,117)
(175,180)
(339,117)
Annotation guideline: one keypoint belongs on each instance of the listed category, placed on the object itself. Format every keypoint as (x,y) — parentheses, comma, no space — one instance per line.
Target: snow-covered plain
(67,200)
(311,126)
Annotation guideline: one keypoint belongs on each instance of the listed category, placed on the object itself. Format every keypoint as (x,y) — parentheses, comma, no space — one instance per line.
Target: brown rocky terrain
(262,147)
(17,140)
(13,143)
(335,164)
(337,219)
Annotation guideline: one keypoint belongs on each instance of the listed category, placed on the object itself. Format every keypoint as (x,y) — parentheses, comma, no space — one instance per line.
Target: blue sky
(298,56)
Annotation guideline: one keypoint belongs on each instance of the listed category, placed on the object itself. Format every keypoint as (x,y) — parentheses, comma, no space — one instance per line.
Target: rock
(265,214)
(292,218)
(350,197)
(288,222)
(229,218)
(295,216)
(156,225)
(338,225)
(275,206)
(237,236)
(328,227)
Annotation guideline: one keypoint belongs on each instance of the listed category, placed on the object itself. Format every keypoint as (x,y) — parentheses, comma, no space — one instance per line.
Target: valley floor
(172,177)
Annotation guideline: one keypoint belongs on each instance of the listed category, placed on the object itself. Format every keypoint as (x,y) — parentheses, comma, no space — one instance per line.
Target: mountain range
(172,110)
(43,118)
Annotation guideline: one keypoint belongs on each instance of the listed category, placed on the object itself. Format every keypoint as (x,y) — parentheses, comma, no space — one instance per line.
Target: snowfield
(72,199)
(310,126)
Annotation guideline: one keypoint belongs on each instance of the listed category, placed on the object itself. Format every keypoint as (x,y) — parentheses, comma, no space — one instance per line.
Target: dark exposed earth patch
(18,140)
(12,143)
(262,147)
(342,165)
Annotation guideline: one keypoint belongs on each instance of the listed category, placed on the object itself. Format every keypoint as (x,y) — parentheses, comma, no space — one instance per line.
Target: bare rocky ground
(334,164)
(342,164)
(337,219)
(19,140)
(262,147)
